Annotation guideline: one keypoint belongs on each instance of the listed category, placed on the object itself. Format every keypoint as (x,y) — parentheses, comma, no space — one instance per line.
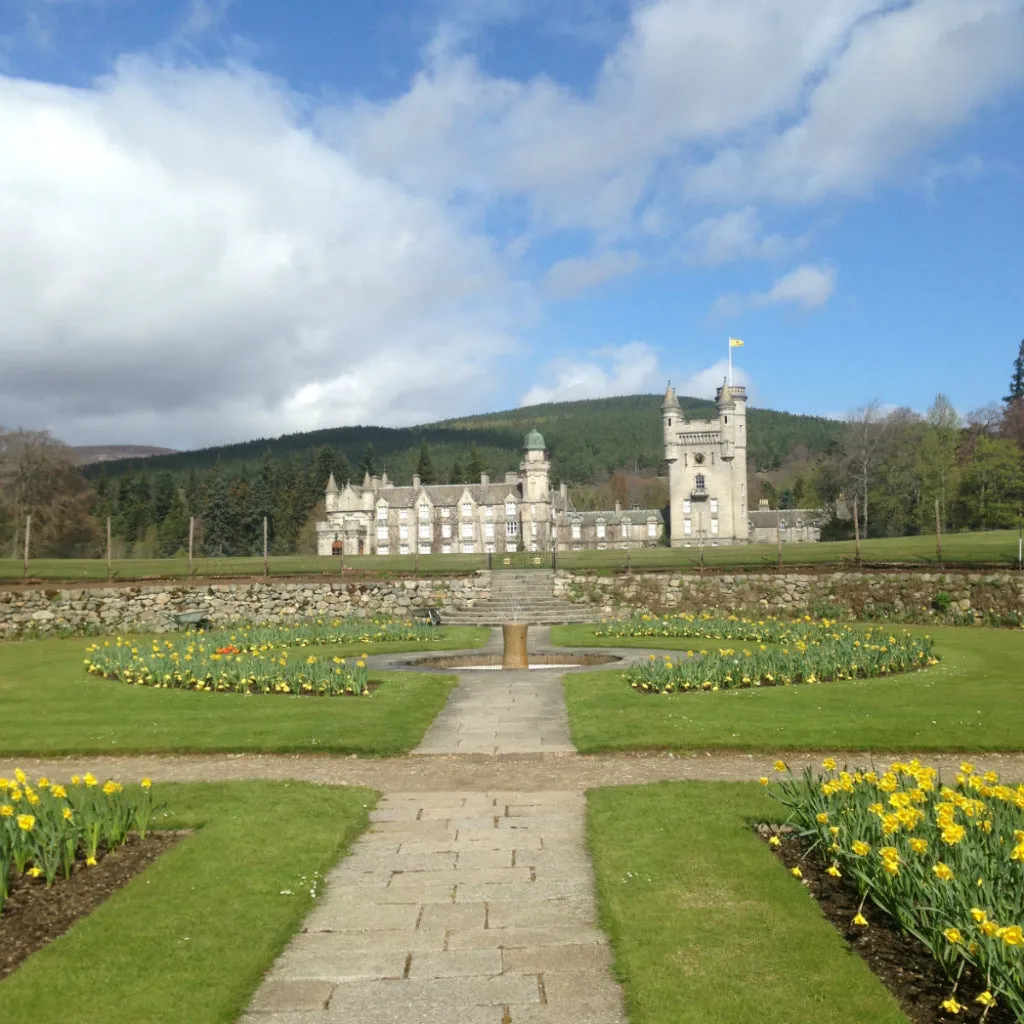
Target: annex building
(520,513)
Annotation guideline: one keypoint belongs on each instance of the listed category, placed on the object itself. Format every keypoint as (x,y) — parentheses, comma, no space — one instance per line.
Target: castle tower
(707,470)
(535,468)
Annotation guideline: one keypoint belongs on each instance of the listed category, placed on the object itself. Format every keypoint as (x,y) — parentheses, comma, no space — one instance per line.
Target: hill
(87,454)
(588,441)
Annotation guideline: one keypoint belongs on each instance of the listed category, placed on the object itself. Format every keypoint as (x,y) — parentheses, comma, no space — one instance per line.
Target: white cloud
(737,235)
(203,15)
(569,277)
(628,369)
(807,287)
(185,261)
(794,100)
(704,383)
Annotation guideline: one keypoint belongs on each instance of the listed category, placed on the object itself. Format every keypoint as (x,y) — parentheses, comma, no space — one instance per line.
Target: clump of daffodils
(45,827)
(945,862)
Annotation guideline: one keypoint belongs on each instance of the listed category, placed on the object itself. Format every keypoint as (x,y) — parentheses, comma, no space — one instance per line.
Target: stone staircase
(524,596)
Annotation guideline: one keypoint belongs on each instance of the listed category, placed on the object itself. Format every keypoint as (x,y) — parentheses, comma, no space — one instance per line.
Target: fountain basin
(493,662)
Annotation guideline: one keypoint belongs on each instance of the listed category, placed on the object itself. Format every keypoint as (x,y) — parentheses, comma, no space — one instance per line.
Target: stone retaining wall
(996,598)
(151,608)
(903,596)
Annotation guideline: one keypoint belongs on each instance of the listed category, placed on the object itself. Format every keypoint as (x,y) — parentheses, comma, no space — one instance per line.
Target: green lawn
(188,940)
(992,546)
(707,926)
(972,700)
(50,706)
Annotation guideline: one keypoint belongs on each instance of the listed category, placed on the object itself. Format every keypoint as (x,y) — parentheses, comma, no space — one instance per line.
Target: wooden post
(28,531)
(191,535)
(938,532)
(700,539)
(778,533)
(266,563)
(856,532)
(110,570)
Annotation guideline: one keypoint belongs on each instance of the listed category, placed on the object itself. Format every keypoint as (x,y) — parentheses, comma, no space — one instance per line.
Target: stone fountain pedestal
(514,649)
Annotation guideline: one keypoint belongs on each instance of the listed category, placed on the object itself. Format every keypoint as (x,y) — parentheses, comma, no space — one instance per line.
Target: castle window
(424,549)
(467,531)
(686,506)
(700,482)
(467,510)
(424,531)
(575,531)
(468,549)
(403,513)
(446,549)
(446,530)
(726,419)
(403,533)
(625,531)
(403,549)
(382,533)
(424,511)
(489,511)
(382,513)
(714,506)
(533,511)
(511,545)
(533,528)
(445,512)
(687,527)
(600,531)
(383,550)
(488,529)
(510,508)
(652,529)
(714,527)
(512,529)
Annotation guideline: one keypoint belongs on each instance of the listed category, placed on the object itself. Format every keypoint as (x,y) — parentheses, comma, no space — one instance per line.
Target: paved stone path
(453,907)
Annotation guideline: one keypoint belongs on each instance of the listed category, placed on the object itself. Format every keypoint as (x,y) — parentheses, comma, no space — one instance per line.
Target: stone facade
(707,471)
(795,525)
(943,597)
(521,513)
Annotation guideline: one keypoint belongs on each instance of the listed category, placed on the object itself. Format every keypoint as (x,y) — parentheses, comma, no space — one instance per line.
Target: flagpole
(729,343)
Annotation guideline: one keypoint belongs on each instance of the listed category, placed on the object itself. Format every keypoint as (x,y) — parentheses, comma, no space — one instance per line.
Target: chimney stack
(484,479)
(415,481)
(618,507)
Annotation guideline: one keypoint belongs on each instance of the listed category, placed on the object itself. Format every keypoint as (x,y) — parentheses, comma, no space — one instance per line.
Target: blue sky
(227,219)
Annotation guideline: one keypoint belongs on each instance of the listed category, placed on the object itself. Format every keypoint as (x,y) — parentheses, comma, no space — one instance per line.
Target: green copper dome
(534,441)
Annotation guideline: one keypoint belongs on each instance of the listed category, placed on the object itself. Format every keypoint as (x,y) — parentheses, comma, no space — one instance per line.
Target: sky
(228,219)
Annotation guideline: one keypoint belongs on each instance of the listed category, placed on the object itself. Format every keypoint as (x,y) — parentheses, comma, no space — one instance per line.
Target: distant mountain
(87,454)
(588,440)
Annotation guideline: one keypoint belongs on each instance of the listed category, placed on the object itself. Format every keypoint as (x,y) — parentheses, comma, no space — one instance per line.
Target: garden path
(454,906)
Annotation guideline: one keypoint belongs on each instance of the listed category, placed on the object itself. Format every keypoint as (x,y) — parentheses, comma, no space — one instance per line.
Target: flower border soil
(34,916)
(900,961)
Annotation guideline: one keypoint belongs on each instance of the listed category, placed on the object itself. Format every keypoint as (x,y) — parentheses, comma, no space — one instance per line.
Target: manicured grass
(707,926)
(972,700)
(49,706)
(188,940)
(992,546)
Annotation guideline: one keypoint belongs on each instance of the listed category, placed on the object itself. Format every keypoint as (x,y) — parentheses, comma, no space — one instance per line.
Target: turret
(535,468)
(671,414)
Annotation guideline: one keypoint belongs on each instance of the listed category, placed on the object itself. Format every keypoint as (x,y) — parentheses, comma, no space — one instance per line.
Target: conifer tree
(172,533)
(474,467)
(1017,378)
(457,474)
(424,465)
(218,528)
(368,463)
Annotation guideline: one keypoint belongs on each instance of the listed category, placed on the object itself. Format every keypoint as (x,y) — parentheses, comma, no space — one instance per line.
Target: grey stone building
(799,525)
(519,513)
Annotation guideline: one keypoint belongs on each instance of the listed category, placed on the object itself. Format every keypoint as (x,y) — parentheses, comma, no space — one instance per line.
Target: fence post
(191,535)
(778,533)
(938,532)
(266,561)
(28,531)
(110,572)
(856,533)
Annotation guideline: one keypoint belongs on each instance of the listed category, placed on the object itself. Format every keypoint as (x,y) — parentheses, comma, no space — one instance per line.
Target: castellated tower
(707,470)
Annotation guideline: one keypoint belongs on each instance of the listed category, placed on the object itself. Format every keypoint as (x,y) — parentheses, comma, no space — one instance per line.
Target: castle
(707,470)
(520,513)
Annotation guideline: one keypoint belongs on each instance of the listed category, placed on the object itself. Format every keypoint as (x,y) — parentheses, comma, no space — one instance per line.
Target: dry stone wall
(48,611)
(991,598)
(995,598)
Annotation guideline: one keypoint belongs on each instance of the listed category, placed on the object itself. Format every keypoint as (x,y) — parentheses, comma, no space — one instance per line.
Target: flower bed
(252,659)
(946,863)
(769,630)
(47,829)
(815,653)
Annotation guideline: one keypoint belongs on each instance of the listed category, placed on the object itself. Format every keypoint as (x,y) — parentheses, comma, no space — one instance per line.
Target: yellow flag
(735,343)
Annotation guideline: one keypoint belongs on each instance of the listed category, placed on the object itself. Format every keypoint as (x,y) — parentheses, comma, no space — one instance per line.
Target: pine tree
(457,475)
(475,468)
(218,527)
(1017,379)
(172,533)
(424,465)
(163,496)
(368,463)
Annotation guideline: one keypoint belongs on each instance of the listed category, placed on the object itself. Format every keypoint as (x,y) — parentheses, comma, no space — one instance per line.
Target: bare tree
(864,435)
